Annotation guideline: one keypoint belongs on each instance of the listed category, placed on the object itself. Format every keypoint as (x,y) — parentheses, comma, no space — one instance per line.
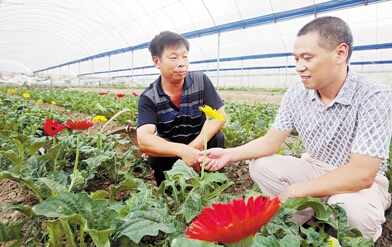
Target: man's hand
(216,159)
(190,156)
(285,194)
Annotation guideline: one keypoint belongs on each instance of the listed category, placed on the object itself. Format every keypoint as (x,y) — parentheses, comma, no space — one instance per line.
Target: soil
(12,193)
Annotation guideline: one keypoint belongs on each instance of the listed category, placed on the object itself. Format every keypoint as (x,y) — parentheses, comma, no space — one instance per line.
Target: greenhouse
(237,43)
(200,123)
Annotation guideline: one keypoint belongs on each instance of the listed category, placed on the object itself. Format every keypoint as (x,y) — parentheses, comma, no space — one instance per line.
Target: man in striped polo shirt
(170,125)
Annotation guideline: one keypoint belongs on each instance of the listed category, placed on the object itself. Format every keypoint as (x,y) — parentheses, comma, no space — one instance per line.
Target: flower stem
(205,150)
(77,152)
(55,160)
(100,137)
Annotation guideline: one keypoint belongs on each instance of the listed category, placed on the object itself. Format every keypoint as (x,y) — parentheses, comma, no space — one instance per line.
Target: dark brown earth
(12,193)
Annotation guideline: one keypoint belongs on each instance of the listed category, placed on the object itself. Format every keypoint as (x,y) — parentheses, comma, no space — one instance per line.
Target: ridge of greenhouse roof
(260,67)
(261,56)
(261,20)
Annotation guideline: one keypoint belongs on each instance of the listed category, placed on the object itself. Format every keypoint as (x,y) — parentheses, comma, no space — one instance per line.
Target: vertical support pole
(92,70)
(217,65)
(242,69)
(109,72)
(79,75)
(132,71)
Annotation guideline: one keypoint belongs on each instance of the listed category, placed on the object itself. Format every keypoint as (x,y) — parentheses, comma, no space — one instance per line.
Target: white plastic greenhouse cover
(108,39)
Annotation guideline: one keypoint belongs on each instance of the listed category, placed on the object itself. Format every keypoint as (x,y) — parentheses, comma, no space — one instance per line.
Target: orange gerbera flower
(79,125)
(52,127)
(232,222)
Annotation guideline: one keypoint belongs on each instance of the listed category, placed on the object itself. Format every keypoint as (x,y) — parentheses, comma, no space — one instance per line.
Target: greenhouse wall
(226,80)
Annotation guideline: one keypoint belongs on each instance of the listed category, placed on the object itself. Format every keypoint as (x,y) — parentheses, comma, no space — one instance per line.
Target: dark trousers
(161,164)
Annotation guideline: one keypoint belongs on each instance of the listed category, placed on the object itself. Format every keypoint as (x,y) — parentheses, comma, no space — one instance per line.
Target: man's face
(315,65)
(173,64)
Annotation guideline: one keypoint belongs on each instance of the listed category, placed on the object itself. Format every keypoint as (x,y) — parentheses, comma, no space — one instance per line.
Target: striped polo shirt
(182,124)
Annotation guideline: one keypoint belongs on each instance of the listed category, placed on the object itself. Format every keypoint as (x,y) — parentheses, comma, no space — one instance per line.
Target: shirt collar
(187,82)
(346,93)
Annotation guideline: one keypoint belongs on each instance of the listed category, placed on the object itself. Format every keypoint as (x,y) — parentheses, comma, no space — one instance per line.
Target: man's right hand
(190,156)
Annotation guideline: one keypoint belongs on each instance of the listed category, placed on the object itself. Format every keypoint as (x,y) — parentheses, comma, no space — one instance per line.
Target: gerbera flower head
(234,223)
(39,101)
(212,113)
(79,125)
(26,95)
(53,102)
(333,242)
(135,94)
(100,119)
(103,93)
(52,127)
(120,95)
(11,91)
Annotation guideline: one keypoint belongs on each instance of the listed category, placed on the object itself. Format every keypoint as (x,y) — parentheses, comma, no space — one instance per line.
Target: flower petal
(79,125)
(52,127)
(233,221)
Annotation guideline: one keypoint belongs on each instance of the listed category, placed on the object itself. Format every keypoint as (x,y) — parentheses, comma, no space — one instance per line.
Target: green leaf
(322,210)
(27,180)
(76,179)
(6,132)
(191,207)
(93,216)
(54,186)
(99,194)
(128,184)
(180,168)
(268,241)
(11,231)
(55,232)
(100,238)
(12,156)
(143,220)
(181,242)
(21,208)
(96,212)
(35,146)
(312,237)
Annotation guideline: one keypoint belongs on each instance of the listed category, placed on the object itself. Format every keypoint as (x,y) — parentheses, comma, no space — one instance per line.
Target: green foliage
(247,122)
(254,89)
(69,215)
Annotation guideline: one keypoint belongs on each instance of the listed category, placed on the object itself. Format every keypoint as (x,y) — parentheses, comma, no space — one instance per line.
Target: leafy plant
(77,216)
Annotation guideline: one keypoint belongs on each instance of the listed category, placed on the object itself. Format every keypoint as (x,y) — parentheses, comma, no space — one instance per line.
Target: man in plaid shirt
(344,120)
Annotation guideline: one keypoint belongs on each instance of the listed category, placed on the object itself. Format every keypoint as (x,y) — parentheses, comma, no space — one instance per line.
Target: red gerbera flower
(232,222)
(135,94)
(120,95)
(79,125)
(52,127)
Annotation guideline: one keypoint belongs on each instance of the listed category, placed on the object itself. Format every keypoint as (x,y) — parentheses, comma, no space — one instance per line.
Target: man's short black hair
(166,39)
(332,31)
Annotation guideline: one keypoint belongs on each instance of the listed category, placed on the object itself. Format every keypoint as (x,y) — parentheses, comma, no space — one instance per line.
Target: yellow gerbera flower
(53,102)
(333,242)
(100,119)
(12,91)
(39,101)
(26,95)
(212,113)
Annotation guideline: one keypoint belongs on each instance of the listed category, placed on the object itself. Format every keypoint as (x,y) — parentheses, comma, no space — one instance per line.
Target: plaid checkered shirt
(358,120)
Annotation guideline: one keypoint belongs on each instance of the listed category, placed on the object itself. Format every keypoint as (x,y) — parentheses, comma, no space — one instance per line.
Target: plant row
(63,171)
